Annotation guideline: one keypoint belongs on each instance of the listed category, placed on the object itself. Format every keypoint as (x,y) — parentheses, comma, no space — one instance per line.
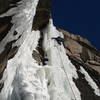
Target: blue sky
(79,17)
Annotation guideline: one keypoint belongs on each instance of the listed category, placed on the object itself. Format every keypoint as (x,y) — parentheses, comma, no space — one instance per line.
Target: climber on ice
(59,39)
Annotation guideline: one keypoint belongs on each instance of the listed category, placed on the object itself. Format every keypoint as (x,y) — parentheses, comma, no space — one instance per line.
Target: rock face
(81,49)
(42,16)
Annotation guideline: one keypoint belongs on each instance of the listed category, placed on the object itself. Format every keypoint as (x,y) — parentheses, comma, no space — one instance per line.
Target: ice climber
(59,39)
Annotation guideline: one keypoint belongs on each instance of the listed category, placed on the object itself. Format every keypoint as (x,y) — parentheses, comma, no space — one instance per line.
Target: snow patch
(90,81)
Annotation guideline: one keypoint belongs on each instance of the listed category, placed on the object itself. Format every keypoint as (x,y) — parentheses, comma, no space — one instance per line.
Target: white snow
(90,81)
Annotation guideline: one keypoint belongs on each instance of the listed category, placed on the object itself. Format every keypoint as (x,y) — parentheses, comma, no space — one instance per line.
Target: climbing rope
(66,74)
(63,67)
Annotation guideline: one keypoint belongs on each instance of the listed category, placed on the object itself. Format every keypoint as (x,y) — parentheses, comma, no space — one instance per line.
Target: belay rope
(66,73)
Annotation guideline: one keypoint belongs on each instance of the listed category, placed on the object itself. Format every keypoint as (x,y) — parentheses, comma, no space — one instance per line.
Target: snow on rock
(90,81)
(22,18)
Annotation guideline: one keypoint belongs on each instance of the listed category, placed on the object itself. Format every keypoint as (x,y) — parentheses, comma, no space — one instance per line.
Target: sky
(79,17)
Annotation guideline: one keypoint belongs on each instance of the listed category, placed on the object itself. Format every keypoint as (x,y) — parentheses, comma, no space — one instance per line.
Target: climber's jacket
(59,39)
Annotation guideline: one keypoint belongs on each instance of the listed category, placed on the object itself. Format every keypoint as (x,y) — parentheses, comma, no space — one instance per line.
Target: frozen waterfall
(24,78)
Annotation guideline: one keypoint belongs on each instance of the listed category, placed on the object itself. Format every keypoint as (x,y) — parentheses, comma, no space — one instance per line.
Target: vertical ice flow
(61,70)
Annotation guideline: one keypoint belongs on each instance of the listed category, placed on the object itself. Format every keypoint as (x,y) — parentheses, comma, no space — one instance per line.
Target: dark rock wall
(5,5)
(87,92)
(43,14)
(81,49)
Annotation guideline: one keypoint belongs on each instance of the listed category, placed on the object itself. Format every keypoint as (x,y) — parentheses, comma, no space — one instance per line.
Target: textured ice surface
(22,20)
